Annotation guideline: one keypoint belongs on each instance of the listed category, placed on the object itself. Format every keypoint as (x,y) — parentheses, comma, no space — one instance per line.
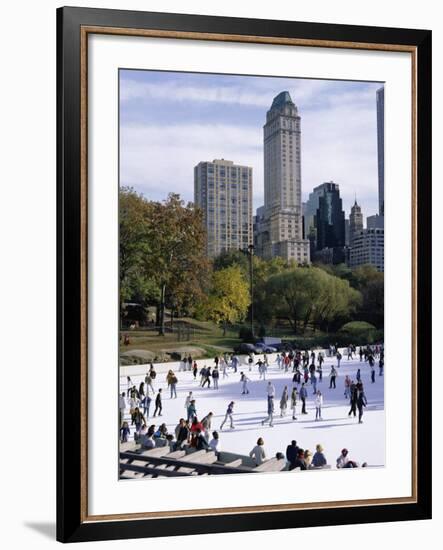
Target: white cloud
(160,159)
(338,143)
(259,93)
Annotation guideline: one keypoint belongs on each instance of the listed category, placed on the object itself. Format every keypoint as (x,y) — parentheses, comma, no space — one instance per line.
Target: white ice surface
(365,442)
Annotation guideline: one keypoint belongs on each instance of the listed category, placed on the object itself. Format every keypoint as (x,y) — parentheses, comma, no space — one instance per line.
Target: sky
(170,121)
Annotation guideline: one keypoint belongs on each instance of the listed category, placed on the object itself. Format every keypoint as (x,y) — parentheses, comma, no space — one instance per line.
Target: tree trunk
(161,331)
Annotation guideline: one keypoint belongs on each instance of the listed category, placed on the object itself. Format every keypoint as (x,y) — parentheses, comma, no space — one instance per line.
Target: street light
(250,252)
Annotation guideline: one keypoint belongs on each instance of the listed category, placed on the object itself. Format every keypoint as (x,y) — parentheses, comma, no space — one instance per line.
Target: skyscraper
(330,223)
(381,149)
(281,221)
(355,222)
(223,191)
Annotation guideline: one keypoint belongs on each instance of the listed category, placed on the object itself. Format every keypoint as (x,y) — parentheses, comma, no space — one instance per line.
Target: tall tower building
(355,222)
(223,191)
(381,149)
(330,224)
(281,227)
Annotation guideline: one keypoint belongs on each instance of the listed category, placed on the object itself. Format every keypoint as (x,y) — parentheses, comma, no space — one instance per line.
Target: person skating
(358,375)
(258,453)
(172,382)
(296,379)
(314,382)
(216,376)
(270,417)
(320,373)
(361,402)
(381,364)
(372,374)
(284,402)
(229,414)
(191,411)
(332,377)
(303,396)
(353,399)
(347,387)
(145,403)
(149,384)
(350,352)
(138,419)
(250,361)
(188,400)
(158,403)
(318,405)
(121,407)
(244,381)
(195,370)
(202,375)
(339,356)
(261,369)
(207,379)
(294,402)
(124,432)
(206,423)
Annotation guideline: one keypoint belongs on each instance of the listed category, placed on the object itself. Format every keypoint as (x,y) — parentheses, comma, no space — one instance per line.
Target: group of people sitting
(302,459)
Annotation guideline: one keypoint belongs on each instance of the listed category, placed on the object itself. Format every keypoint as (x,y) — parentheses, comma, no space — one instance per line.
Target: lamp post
(251,285)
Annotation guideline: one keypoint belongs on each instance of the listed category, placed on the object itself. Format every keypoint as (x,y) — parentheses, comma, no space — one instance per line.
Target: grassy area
(204,339)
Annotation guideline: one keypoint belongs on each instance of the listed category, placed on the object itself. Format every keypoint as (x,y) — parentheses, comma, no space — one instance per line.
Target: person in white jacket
(122,406)
(318,405)
(258,453)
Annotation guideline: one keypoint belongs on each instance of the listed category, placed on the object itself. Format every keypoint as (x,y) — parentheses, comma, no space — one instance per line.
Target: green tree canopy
(228,299)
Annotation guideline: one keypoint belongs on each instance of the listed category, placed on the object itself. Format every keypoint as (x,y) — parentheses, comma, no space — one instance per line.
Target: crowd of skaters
(306,369)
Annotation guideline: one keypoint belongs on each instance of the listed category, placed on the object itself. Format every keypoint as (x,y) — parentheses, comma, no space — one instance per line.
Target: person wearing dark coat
(353,399)
(291,454)
(158,403)
(361,402)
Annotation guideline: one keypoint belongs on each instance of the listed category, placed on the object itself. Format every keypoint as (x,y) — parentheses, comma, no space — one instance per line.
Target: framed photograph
(244,274)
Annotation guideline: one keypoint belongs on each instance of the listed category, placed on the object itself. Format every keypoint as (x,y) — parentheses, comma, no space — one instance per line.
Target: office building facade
(355,221)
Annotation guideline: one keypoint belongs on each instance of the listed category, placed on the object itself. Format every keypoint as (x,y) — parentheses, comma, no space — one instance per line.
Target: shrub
(245,334)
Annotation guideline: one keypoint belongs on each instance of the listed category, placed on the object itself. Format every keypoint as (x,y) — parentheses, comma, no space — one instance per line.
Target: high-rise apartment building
(280,227)
(223,191)
(381,149)
(368,249)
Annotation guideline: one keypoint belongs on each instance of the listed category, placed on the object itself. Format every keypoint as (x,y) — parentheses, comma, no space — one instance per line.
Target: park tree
(162,252)
(309,297)
(134,246)
(177,259)
(370,283)
(228,299)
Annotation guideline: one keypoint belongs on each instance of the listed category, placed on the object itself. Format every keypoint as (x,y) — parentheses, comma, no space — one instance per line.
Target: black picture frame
(71,526)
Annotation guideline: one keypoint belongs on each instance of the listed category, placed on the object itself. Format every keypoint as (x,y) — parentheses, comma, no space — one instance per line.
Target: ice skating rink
(365,442)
